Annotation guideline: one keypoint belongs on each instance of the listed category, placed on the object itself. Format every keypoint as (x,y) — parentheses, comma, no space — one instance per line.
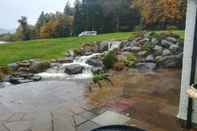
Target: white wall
(187,60)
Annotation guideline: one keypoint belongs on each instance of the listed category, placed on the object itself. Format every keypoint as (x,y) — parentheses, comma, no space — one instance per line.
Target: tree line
(105,16)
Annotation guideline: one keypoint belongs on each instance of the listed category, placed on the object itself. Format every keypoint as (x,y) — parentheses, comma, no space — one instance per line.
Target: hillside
(53,48)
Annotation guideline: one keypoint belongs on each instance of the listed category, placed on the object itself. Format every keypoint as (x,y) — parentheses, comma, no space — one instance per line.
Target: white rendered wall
(187,60)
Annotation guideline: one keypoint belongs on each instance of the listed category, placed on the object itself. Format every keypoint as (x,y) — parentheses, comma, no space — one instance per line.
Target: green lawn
(53,48)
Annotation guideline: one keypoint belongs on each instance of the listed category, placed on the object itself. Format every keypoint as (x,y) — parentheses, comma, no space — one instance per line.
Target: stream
(57,70)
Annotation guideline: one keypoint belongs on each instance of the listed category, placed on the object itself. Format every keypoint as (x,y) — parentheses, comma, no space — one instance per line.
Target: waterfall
(57,71)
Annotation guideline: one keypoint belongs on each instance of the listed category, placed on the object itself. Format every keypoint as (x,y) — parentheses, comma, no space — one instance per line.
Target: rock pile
(24,71)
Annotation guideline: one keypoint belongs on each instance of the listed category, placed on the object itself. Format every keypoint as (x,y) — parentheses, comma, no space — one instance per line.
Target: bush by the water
(110,59)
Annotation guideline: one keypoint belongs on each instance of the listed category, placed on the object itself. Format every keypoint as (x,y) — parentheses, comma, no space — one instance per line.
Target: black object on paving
(118,128)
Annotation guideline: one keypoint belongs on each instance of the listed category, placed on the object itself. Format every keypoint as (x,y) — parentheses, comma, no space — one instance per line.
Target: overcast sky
(12,10)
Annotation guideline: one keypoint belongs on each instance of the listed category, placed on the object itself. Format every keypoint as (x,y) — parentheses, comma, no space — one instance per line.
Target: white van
(88,33)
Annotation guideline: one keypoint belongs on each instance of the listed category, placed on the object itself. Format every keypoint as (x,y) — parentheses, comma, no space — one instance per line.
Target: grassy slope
(53,48)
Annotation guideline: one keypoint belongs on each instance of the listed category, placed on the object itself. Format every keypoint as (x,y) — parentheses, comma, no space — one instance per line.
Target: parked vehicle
(88,33)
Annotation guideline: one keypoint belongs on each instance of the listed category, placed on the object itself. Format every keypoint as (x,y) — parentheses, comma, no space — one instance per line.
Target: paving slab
(87,126)
(62,123)
(42,122)
(87,115)
(111,118)
(18,126)
(79,120)
(3,128)
(16,117)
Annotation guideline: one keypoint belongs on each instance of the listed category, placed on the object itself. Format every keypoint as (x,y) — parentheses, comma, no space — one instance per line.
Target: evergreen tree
(78,18)
(68,10)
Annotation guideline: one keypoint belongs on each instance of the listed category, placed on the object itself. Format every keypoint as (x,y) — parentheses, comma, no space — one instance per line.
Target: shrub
(109,59)
(98,77)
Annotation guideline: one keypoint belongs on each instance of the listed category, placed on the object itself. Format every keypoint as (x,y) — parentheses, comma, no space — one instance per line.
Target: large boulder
(74,69)
(165,43)
(172,61)
(37,67)
(174,48)
(172,39)
(96,62)
(149,66)
(102,46)
(158,50)
(13,66)
(150,58)
(166,52)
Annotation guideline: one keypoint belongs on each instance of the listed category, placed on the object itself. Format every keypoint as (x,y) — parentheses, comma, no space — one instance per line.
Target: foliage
(109,59)
(161,12)
(148,46)
(130,60)
(131,57)
(24,30)
(98,77)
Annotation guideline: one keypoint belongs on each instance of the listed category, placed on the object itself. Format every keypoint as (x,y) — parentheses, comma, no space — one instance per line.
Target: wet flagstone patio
(146,100)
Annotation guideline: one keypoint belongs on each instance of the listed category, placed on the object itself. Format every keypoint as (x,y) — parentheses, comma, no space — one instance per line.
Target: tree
(68,10)
(23,29)
(161,12)
(78,18)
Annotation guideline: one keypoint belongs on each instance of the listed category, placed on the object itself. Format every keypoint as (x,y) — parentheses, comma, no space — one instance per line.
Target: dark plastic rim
(118,128)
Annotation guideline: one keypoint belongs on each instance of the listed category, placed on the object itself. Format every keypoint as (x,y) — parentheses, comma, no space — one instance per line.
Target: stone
(38,67)
(87,126)
(65,60)
(63,123)
(166,52)
(158,50)
(142,53)
(70,53)
(150,58)
(174,48)
(154,41)
(111,118)
(127,49)
(146,66)
(96,62)
(36,78)
(42,122)
(172,39)
(102,46)
(172,61)
(74,69)
(135,49)
(165,43)
(18,80)
(13,66)
(19,126)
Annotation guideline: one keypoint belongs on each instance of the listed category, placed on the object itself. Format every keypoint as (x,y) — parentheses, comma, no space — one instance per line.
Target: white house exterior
(190,33)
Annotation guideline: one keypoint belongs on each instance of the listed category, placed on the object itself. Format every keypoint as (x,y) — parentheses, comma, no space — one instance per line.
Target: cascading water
(57,71)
